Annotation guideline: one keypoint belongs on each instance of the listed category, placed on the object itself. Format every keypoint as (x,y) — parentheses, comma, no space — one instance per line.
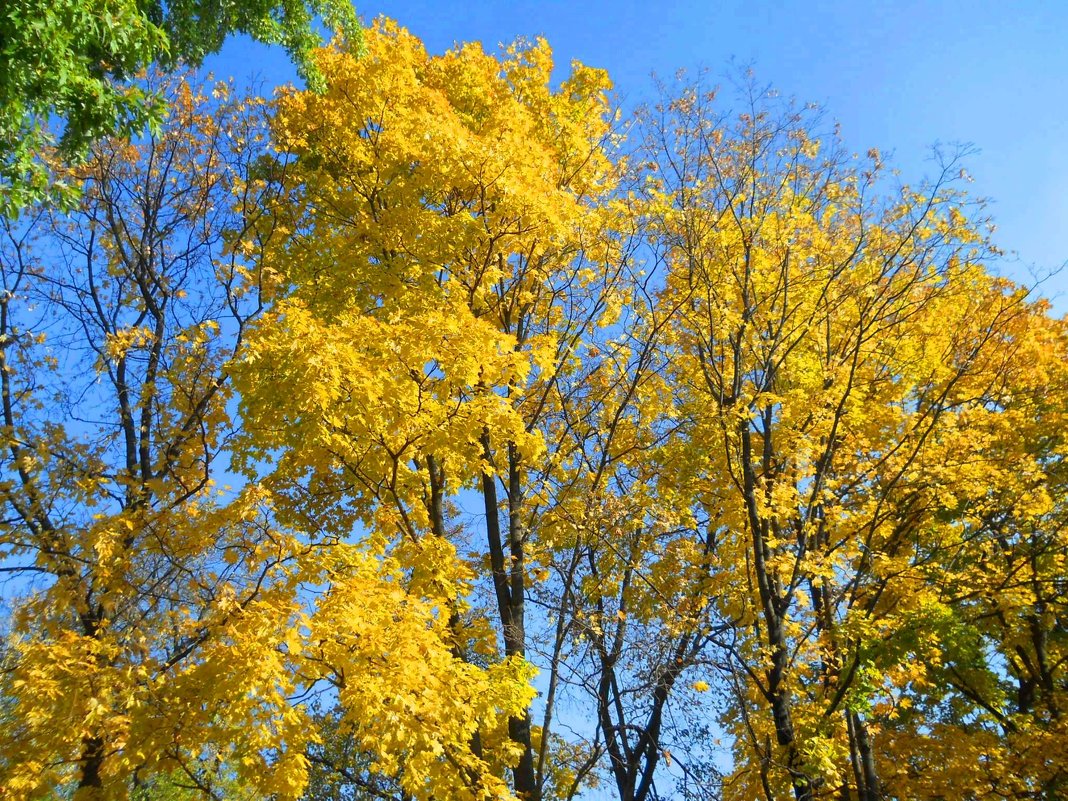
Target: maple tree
(990,704)
(166,621)
(124,645)
(560,455)
(836,351)
(442,267)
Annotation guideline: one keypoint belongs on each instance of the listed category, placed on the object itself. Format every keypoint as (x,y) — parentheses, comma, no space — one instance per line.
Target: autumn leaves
(712,428)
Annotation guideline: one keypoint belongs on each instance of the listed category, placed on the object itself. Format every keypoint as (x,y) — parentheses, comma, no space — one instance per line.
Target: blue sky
(899,76)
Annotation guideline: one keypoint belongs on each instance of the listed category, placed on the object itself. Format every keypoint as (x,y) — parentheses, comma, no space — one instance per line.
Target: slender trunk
(861,758)
(509,590)
(771,602)
(90,783)
(870,789)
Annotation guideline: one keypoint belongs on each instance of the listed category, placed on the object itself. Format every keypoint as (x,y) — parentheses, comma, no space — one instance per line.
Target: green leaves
(69,65)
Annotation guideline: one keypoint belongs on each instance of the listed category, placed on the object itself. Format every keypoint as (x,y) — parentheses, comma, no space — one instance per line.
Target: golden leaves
(846,365)
(738,416)
(407,698)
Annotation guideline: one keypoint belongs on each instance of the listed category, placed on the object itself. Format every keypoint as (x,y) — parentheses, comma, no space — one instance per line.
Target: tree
(114,403)
(997,691)
(449,261)
(77,61)
(838,354)
(166,625)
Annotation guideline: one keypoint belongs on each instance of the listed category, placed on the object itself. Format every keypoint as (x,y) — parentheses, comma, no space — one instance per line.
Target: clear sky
(899,76)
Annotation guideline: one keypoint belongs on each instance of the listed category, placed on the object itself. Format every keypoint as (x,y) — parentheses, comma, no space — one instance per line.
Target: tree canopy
(444,435)
(74,62)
